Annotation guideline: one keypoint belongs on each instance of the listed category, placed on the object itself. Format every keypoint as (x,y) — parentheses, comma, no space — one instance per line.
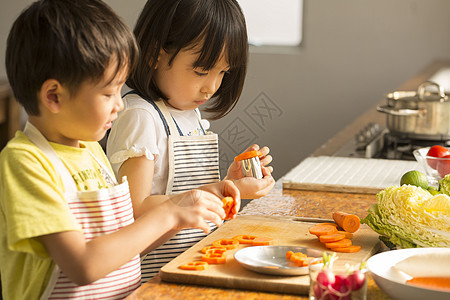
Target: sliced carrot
(247,155)
(262,241)
(227,243)
(298,258)
(205,249)
(329,223)
(349,249)
(215,258)
(329,238)
(435,283)
(195,265)
(348,222)
(216,251)
(289,254)
(228,204)
(245,239)
(320,229)
(339,244)
(348,235)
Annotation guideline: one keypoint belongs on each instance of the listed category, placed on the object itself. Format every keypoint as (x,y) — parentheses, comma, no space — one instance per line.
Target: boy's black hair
(173,25)
(70,41)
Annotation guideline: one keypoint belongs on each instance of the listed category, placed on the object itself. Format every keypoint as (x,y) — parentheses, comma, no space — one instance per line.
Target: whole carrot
(348,222)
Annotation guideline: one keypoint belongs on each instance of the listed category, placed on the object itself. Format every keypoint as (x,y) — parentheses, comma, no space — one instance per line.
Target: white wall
(353,52)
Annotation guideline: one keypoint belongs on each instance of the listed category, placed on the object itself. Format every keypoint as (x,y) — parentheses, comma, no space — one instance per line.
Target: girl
(191,51)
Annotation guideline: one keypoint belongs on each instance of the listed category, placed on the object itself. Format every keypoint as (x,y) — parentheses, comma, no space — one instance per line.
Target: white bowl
(393,282)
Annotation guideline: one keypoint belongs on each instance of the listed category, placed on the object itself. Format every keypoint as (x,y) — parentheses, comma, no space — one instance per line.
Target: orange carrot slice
(436,283)
(228,204)
(320,229)
(247,155)
(349,249)
(262,241)
(329,238)
(214,258)
(289,254)
(245,239)
(328,223)
(348,235)
(227,243)
(348,222)
(339,244)
(205,249)
(195,265)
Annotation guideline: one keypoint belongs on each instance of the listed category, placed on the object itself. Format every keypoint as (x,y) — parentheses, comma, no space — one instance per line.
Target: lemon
(416,178)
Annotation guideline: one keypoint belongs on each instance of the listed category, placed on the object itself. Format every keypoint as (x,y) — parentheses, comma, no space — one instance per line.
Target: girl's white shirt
(139,131)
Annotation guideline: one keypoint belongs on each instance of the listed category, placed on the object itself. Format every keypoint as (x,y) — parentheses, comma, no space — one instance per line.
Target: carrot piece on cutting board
(245,239)
(262,241)
(329,238)
(227,243)
(339,244)
(205,249)
(228,204)
(348,235)
(349,249)
(195,265)
(321,229)
(214,258)
(349,222)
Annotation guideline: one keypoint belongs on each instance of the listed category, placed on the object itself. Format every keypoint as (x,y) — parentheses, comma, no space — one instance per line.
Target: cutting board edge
(330,188)
(259,286)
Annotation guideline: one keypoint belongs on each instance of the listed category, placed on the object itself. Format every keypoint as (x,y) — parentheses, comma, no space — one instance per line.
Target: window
(273,22)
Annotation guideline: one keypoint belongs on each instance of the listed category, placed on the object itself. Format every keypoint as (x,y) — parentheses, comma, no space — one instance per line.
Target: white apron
(193,162)
(98,212)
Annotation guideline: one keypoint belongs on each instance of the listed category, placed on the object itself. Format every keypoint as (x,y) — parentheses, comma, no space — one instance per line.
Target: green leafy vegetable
(409,216)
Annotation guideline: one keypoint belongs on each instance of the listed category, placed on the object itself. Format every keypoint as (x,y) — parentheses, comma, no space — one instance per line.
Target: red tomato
(436,151)
(443,166)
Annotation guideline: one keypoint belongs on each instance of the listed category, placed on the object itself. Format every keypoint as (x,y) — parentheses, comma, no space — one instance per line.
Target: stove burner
(402,147)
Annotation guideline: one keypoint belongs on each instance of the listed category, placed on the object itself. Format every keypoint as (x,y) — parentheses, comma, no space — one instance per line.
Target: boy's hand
(249,187)
(205,204)
(225,188)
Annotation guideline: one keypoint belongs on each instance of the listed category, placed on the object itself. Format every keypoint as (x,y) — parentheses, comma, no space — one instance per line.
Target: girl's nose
(211,86)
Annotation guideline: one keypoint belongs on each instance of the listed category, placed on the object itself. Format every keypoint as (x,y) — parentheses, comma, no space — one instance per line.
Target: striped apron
(98,212)
(193,162)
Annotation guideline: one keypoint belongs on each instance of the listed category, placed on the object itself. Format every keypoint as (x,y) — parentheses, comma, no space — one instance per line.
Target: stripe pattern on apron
(193,162)
(98,212)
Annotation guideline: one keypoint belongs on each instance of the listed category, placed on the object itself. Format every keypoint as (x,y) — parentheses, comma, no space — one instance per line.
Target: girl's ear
(50,95)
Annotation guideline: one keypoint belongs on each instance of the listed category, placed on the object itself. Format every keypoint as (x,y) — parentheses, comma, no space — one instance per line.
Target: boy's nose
(119,103)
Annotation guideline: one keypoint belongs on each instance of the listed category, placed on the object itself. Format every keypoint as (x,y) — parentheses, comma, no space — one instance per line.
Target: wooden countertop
(292,203)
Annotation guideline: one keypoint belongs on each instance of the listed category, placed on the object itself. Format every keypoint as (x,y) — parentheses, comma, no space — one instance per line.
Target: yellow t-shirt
(32,204)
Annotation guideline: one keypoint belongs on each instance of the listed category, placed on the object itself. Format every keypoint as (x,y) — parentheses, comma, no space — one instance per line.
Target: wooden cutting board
(347,174)
(285,232)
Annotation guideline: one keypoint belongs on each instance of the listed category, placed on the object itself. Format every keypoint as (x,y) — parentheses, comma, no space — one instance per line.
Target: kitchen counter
(294,203)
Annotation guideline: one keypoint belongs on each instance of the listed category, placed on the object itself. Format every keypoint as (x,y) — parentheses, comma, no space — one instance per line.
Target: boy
(66,226)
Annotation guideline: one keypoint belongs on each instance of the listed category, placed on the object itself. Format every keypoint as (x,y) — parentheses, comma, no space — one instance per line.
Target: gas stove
(374,141)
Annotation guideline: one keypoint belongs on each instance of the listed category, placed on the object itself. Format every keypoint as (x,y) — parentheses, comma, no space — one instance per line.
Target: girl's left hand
(235,169)
(249,187)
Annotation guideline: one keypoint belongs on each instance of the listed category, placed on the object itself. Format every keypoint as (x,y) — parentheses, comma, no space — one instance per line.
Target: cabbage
(409,216)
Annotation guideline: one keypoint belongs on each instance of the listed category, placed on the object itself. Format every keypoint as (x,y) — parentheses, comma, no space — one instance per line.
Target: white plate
(393,282)
(272,259)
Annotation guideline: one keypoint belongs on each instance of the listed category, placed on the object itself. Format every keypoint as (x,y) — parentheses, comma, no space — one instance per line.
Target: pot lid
(424,93)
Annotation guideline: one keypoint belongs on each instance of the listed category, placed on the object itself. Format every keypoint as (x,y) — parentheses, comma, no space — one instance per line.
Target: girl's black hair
(174,25)
(70,41)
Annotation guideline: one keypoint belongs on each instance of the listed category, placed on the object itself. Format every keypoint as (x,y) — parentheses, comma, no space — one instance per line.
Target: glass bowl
(434,167)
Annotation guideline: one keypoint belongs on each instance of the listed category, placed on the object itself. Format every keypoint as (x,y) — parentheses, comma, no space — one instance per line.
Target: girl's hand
(235,169)
(249,187)
(252,188)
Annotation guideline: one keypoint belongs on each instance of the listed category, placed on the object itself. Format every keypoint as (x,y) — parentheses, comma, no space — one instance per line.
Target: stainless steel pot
(424,114)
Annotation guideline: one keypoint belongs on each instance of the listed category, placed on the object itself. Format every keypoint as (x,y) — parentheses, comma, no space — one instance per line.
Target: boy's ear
(50,95)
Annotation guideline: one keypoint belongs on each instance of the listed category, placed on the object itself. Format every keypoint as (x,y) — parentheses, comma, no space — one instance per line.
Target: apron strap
(37,138)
